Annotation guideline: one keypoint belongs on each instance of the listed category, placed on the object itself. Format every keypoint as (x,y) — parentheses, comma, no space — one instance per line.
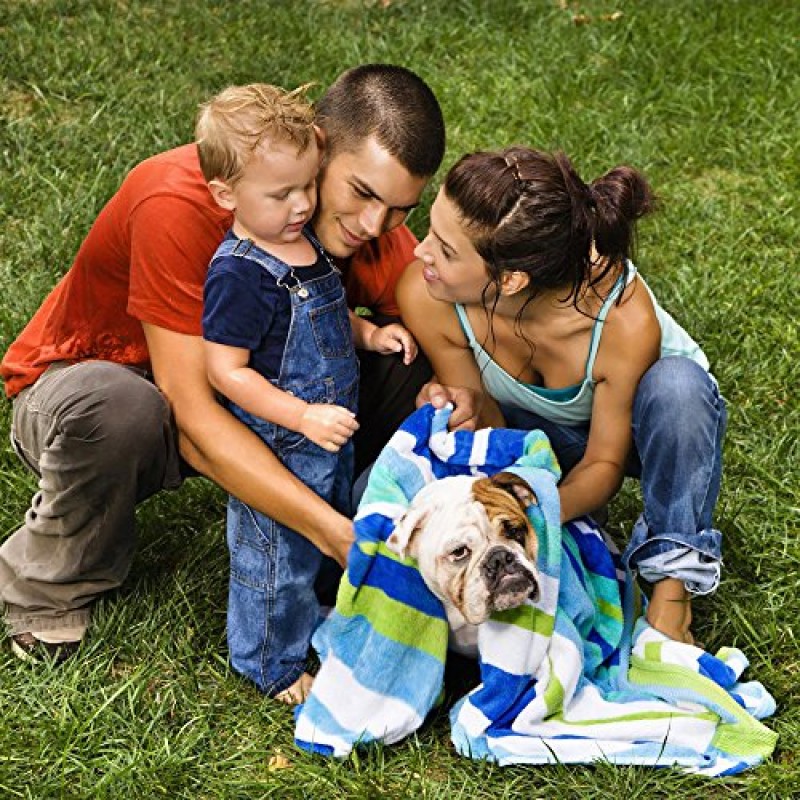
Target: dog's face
(474,545)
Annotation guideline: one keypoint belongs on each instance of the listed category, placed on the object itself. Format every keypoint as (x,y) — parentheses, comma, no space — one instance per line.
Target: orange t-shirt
(145,260)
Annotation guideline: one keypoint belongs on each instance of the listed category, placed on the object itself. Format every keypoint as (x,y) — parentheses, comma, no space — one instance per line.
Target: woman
(524,295)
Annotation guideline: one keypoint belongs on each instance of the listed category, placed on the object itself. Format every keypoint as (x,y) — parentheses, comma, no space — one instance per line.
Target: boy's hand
(393,338)
(328,426)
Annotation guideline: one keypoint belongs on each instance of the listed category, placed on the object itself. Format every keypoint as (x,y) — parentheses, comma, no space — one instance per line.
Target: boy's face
(276,195)
(363,194)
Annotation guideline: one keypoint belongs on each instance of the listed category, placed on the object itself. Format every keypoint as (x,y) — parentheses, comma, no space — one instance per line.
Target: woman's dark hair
(526,210)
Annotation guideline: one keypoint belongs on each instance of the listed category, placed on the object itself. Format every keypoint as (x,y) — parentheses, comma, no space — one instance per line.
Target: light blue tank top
(572,405)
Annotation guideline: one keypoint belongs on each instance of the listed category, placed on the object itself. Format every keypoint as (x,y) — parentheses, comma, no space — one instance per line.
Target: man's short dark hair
(390,103)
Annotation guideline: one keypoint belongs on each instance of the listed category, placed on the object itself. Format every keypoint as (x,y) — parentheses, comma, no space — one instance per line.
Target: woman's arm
(435,326)
(629,346)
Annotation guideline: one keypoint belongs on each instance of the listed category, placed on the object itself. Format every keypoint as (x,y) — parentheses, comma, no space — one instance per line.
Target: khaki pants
(100,438)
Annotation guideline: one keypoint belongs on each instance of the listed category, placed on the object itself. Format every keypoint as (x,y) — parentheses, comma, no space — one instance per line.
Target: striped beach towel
(575,677)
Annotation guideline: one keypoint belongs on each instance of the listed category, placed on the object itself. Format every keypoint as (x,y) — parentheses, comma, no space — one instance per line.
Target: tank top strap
(463,320)
(597,328)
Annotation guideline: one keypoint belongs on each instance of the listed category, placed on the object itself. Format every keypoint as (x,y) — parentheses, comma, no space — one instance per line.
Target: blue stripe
(327,726)
(594,553)
(718,671)
(605,648)
(739,699)
(404,585)
(577,569)
(312,747)
(491,702)
(354,642)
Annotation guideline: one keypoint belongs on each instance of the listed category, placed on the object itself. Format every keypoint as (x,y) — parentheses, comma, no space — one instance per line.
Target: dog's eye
(460,553)
(514,531)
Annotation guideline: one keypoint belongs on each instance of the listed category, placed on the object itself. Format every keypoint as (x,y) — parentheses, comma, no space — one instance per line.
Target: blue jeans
(679,420)
(272,606)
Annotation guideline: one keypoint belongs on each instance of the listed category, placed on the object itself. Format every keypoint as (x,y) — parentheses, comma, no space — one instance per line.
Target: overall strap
(247,248)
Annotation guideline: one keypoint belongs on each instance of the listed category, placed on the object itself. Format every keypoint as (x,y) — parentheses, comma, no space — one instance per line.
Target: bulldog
(475,548)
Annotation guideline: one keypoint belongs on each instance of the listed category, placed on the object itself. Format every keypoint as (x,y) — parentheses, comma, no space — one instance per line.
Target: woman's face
(452,268)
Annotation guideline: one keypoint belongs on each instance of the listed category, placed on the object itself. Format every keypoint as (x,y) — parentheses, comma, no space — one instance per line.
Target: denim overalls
(272,608)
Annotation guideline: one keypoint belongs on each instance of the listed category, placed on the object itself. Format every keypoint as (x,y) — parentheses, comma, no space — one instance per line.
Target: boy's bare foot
(297,692)
(670,610)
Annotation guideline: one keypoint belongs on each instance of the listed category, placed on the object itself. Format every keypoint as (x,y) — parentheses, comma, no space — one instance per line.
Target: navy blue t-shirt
(243,306)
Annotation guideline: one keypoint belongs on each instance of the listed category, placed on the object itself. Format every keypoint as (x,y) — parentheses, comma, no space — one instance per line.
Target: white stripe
(581,751)
(382,507)
(402,442)
(480,447)
(443,445)
(474,721)
(361,710)
(306,731)
(689,732)
(422,463)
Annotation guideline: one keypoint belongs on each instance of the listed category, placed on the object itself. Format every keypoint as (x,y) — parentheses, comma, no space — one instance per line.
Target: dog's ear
(401,539)
(516,486)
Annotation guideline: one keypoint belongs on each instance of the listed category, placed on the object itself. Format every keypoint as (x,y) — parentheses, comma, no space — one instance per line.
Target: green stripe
(528,618)
(638,717)
(554,692)
(652,652)
(745,736)
(373,548)
(383,487)
(745,739)
(609,609)
(395,621)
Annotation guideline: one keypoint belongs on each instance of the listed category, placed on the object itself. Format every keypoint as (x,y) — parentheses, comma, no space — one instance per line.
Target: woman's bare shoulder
(424,315)
(632,334)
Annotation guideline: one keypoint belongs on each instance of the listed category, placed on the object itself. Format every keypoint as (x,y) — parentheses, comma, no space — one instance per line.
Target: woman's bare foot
(297,692)
(670,610)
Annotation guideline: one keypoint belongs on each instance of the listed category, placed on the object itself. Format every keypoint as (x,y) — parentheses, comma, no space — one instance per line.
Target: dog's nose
(497,560)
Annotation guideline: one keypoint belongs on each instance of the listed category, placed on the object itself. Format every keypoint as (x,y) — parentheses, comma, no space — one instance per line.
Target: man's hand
(327,425)
(392,338)
(466,402)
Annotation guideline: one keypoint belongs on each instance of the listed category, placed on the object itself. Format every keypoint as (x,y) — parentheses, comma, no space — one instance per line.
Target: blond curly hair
(233,123)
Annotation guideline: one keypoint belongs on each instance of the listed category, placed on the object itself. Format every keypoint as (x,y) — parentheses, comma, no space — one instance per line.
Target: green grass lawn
(701,95)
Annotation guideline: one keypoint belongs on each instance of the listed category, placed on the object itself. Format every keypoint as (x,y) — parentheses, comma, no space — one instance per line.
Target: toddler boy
(279,345)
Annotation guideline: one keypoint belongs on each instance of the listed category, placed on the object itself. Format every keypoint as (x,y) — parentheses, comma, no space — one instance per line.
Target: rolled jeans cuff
(694,560)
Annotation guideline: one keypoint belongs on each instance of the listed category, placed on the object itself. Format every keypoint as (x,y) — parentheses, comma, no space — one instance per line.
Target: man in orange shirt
(111,398)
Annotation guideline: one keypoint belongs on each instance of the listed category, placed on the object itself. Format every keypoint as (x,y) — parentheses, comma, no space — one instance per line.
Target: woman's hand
(466,404)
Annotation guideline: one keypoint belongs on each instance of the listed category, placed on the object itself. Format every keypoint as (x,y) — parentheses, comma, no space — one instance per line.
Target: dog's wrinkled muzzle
(509,583)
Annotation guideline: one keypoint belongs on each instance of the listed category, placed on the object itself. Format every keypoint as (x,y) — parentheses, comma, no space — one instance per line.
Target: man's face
(363,194)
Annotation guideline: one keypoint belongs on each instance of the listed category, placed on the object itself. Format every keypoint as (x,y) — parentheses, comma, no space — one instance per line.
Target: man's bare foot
(670,610)
(297,692)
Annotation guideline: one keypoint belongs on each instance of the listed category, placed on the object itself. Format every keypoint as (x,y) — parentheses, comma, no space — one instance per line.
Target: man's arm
(218,446)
